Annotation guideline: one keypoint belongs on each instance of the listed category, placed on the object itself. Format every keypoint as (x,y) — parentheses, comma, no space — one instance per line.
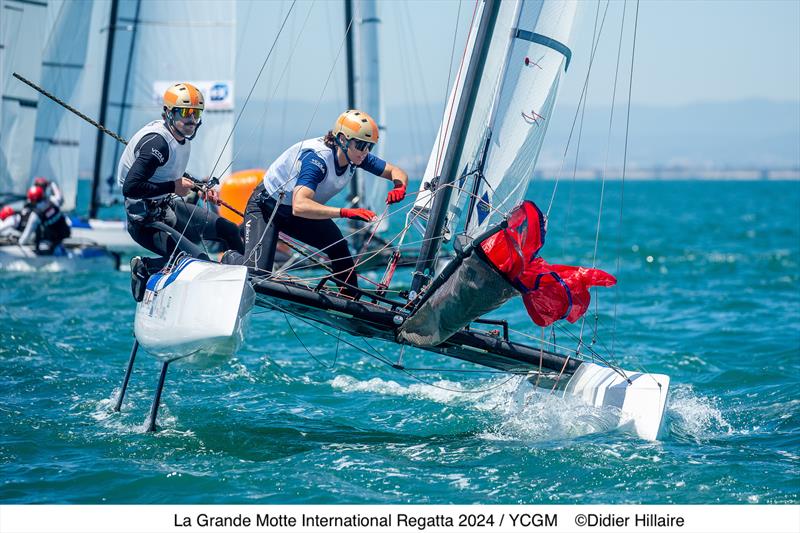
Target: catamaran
(471,201)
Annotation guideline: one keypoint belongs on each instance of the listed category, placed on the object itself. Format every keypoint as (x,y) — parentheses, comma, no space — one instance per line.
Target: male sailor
(46,226)
(300,182)
(152,174)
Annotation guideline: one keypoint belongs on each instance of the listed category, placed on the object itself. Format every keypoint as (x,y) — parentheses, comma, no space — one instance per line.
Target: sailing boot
(139,277)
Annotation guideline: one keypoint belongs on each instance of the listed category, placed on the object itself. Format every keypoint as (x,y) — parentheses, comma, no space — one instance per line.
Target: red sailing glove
(396,194)
(358,213)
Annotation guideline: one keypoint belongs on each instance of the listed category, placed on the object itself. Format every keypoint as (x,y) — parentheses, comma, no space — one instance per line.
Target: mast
(349,23)
(94,203)
(442,191)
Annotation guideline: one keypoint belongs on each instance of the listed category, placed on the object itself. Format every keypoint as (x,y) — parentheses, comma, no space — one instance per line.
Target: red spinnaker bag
(510,249)
(554,292)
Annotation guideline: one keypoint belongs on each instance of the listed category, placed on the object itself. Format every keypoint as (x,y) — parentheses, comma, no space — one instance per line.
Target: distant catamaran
(480,165)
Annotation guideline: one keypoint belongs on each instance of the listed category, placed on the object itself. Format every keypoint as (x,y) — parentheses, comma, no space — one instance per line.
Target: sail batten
(57,137)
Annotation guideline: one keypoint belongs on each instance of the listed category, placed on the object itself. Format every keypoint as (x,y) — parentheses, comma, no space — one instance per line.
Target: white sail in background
(56,144)
(175,41)
(523,62)
(371,190)
(22,35)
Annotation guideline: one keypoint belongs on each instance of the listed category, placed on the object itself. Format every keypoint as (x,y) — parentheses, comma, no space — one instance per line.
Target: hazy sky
(686,51)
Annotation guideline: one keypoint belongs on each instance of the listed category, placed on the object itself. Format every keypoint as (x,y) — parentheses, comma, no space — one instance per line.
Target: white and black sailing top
(151,162)
(311,163)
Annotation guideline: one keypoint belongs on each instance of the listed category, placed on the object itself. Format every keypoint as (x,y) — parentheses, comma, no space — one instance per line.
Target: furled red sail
(550,292)
(491,271)
(555,292)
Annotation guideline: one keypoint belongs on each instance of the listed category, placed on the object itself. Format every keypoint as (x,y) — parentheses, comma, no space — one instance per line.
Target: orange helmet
(183,95)
(355,124)
(6,212)
(35,193)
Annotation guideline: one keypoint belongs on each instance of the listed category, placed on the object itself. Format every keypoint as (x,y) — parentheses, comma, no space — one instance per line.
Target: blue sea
(708,293)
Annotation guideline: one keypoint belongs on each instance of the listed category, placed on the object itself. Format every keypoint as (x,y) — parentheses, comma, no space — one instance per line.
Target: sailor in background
(299,183)
(46,225)
(51,189)
(152,174)
(10,224)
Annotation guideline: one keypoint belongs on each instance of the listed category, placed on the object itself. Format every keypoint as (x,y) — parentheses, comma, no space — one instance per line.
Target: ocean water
(708,293)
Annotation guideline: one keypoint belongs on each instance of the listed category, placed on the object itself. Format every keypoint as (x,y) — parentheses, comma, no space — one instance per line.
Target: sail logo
(483,208)
(218,92)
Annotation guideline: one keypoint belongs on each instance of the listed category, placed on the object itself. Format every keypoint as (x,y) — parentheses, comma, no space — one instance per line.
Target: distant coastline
(676,174)
(642,174)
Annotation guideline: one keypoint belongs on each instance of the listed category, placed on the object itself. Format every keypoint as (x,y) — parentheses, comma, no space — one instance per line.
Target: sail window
(538,38)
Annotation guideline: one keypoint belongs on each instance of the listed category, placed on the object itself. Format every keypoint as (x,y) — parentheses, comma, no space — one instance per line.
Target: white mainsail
(523,61)
(56,144)
(22,34)
(185,40)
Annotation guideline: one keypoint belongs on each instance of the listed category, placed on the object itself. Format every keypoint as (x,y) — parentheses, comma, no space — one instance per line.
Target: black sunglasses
(362,145)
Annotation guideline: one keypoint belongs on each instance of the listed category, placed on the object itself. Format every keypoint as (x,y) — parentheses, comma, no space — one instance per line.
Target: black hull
(381,321)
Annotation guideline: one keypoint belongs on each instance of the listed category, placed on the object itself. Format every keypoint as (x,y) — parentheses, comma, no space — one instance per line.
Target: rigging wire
(252,88)
(374,355)
(584,90)
(625,166)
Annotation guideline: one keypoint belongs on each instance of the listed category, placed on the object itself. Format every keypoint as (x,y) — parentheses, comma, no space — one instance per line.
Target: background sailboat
(22,37)
(39,137)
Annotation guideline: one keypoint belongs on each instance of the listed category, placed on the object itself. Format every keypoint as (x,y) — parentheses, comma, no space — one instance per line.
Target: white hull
(18,258)
(109,233)
(195,313)
(640,403)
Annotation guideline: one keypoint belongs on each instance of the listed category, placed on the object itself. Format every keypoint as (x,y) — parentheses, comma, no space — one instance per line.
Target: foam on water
(694,416)
(517,410)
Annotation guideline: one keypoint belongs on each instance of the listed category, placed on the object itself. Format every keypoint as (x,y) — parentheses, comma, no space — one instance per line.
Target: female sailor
(296,187)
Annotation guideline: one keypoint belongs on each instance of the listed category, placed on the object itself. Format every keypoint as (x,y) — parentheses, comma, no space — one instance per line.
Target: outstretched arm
(396,175)
(304,205)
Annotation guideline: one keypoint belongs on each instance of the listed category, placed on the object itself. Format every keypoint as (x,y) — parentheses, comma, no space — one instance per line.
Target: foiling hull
(74,258)
(639,401)
(195,313)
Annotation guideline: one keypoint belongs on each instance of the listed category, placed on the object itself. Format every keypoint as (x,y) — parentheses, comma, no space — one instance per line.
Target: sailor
(152,174)
(10,224)
(292,197)
(51,189)
(46,226)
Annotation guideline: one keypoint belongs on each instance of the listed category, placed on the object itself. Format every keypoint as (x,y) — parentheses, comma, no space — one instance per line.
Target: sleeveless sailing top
(177,159)
(282,173)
